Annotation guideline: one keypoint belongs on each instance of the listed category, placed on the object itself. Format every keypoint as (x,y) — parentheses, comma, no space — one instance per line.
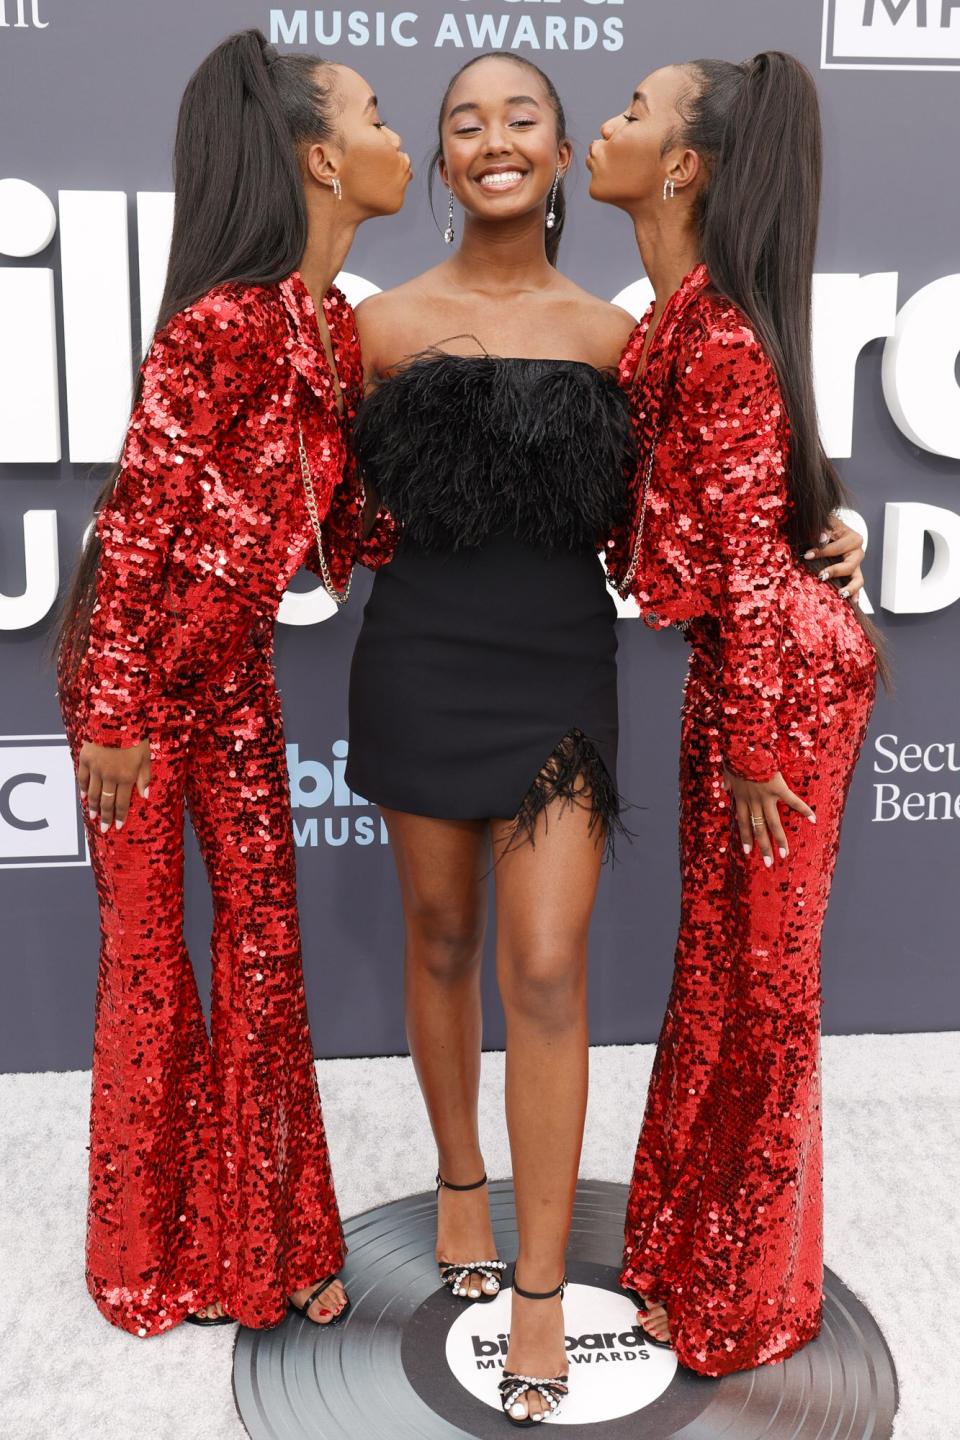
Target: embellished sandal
(513,1386)
(453,1273)
(315,1294)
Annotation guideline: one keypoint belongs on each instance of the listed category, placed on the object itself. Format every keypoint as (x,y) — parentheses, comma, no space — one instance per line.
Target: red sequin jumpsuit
(209,1172)
(724,1222)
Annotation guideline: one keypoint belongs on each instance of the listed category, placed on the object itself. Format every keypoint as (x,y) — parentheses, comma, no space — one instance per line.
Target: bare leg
(545,897)
(442,866)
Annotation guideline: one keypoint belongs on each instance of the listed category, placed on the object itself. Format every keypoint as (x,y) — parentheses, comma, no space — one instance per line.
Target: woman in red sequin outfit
(210,1187)
(718,165)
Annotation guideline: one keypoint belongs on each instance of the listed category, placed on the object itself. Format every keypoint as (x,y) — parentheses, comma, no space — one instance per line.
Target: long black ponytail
(555,234)
(240,213)
(758,127)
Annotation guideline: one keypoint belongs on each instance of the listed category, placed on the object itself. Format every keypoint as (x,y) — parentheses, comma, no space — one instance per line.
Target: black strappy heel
(315,1294)
(512,1386)
(454,1272)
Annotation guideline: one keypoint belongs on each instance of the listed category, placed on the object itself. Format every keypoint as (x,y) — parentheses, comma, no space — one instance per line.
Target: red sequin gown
(209,1172)
(724,1221)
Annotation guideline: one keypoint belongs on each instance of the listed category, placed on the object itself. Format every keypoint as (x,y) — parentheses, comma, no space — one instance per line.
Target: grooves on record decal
(410,1362)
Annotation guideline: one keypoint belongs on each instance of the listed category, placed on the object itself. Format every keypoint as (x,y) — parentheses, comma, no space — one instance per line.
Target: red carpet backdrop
(89,96)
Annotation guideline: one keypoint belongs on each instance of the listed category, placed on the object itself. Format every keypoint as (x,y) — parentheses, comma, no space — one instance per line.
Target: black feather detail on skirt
(575,774)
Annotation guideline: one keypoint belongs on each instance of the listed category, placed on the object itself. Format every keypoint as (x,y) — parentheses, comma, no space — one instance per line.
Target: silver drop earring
(551,213)
(337,188)
(449,235)
(669,186)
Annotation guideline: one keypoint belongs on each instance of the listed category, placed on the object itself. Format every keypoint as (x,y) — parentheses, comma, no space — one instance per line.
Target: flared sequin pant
(209,1172)
(724,1221)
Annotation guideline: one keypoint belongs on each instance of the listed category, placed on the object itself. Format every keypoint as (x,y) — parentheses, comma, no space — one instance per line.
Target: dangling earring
(449,235)
(337,188)
(551,213)
(669,185)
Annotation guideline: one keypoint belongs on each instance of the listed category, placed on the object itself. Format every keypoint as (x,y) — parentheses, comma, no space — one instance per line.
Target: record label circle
(613,1371)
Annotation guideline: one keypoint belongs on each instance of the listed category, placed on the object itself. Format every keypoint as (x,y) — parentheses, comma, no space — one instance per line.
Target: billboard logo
(891,35)
(322,787)
(27,14)
(616,1372)
(41,822)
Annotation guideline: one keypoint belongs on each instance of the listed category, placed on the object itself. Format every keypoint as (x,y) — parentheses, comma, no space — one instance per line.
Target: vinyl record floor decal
(410,1362)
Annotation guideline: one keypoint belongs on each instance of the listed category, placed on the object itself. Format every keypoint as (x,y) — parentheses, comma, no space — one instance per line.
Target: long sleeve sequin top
(207,522)
(714,541)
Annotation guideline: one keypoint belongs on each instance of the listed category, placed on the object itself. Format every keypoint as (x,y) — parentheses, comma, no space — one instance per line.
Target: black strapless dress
(484,681)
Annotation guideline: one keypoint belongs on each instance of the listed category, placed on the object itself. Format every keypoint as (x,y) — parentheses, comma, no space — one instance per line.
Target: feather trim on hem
(574,773)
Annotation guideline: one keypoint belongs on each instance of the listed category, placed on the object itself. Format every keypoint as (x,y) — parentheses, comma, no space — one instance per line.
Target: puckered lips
(500,179)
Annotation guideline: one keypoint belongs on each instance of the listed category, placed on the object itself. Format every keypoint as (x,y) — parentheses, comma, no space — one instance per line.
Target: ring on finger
(758,822)
(107,794)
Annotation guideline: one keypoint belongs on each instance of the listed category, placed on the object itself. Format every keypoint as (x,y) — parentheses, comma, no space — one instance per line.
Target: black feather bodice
(460,448)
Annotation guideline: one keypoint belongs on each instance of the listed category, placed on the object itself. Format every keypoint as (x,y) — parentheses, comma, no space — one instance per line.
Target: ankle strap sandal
(454,1273)
(315,1294)
(648,1337)
(513,1387)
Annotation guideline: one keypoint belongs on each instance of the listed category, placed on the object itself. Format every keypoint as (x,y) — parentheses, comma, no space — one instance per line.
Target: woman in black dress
(483,703)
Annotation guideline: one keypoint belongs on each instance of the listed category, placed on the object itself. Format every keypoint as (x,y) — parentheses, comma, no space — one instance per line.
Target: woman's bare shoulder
(389,322)
(604,328)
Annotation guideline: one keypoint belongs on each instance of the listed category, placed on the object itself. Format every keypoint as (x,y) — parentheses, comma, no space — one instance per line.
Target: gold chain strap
(627,580)
(311,499)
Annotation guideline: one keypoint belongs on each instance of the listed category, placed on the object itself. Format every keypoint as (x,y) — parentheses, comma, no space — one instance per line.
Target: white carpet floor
(892,1108)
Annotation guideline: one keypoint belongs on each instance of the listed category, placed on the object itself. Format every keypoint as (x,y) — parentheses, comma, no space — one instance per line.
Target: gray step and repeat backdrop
(89,90)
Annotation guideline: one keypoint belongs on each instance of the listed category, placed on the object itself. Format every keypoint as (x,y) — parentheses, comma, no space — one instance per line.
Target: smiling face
(501,148)
(639,149)
(366,158)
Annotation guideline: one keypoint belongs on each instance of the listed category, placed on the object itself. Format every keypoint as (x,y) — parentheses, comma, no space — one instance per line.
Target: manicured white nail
(824,575)
(768,861)
(146,792)
(83,795)
(844,594)
(809,554)
(93,814)
(747,849)
(824,537)
(118,824)
(812,819)
(104,827)
(783,853)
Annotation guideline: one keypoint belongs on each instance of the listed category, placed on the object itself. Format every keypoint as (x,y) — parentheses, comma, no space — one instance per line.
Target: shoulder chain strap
(341,598)
(627,580)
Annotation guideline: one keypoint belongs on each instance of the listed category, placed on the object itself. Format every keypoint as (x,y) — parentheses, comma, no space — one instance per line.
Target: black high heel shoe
(453,1273)
(512,1386)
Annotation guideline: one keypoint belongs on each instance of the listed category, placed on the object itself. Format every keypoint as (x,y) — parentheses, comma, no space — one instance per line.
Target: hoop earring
(337,188)
(551,213)
(669,185)
(449,235)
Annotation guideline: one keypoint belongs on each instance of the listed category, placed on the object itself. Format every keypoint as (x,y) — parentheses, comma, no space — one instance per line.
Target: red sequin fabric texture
(724,1221)
(209,1172)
